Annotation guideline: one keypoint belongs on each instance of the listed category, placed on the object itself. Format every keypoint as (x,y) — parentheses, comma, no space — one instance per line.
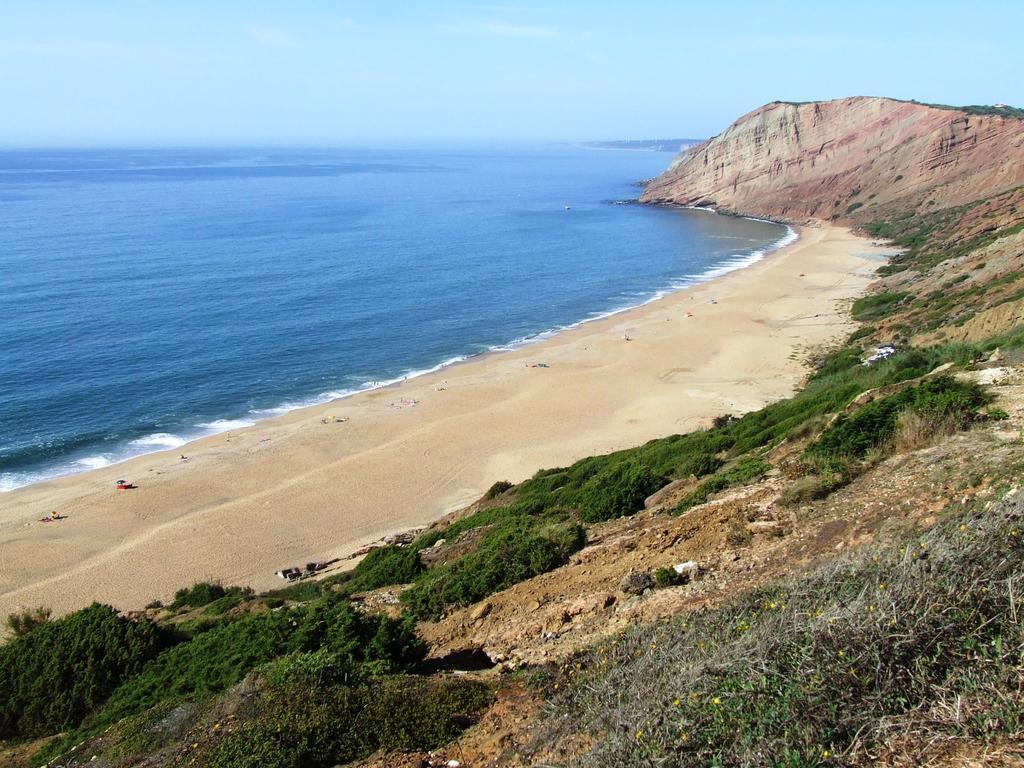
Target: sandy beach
(317,483)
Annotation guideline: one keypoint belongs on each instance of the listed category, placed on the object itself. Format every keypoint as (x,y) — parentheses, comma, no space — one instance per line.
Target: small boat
(568,207)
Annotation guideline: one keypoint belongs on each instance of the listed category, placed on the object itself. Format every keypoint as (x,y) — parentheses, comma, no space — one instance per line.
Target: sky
(149,73)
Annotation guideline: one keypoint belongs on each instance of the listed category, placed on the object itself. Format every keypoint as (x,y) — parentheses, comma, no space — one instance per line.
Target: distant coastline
(644,145)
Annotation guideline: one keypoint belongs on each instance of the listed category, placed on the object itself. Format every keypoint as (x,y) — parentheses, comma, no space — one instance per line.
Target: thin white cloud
(499,29)
(273,37)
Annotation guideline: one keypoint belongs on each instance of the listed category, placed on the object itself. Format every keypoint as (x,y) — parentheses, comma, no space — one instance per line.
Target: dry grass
(885,656)
(919,430)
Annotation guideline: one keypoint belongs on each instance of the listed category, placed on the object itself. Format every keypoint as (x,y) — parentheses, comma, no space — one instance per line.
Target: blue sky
(306,72)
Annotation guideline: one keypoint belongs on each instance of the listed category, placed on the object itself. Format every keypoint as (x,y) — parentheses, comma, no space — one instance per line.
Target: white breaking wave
(159,441)
(94,462)
(217,426)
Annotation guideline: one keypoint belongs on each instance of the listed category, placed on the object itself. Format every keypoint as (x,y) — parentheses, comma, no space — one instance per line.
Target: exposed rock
(847,159)
(687,571)
(660,496)
(480,611)
(764,527)
(636,583)
(444,551)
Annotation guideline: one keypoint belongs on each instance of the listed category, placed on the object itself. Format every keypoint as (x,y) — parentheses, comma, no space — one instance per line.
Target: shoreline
(319,482)
(163,442)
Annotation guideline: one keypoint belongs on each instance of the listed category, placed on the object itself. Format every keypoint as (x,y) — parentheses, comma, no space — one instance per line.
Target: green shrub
(23,622)
(56,674)
(497,489)
(384,566)
(852,435)
(491,516)
(876,306)
(199,594)
(838,361)
(308,668)
(302,592)
(698,465)
(298,725)
(222,605)
(222,656)
(518,550)
(616,491)
(862,333)
(666,576)
(997,414)
(811,488)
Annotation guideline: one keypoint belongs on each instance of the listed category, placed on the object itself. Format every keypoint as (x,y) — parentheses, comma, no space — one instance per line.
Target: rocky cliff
(856,159)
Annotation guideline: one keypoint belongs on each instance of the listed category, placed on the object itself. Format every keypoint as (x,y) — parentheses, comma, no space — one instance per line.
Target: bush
(199,594)
(616,491)
(384,566)
(310,668)
(852,435)
(877,306)
(699,465)
(23,622)
(297,725)
(221,656)
(497,489)
(56,674)
(666,576)
(517,550)
(810,488)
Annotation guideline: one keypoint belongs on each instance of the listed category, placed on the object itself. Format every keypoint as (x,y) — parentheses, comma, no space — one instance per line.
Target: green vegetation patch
(853,435)
(617,490)
(204,593)
(54,675)
(877,306)
(520,549)
(220,657)
(296,725)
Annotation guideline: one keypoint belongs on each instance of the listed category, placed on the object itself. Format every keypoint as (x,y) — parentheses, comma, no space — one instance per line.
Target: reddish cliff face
(854,159)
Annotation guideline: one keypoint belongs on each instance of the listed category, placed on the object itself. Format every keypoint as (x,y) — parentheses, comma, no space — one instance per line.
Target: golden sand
(295,489)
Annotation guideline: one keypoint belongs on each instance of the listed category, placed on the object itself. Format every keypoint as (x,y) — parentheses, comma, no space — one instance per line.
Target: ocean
(151,297)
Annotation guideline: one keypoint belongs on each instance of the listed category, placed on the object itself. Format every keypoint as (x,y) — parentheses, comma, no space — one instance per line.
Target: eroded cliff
(855,159)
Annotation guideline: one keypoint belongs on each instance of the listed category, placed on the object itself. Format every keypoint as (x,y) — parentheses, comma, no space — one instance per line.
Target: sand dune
(294,489)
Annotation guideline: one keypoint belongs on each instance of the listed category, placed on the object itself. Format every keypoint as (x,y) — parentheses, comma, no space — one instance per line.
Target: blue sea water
(152,297)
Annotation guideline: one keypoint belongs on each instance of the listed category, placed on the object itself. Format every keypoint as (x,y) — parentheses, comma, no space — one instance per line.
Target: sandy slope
(294,489)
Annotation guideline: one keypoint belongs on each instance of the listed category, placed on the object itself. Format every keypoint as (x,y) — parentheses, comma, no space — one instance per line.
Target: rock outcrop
(853,159)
